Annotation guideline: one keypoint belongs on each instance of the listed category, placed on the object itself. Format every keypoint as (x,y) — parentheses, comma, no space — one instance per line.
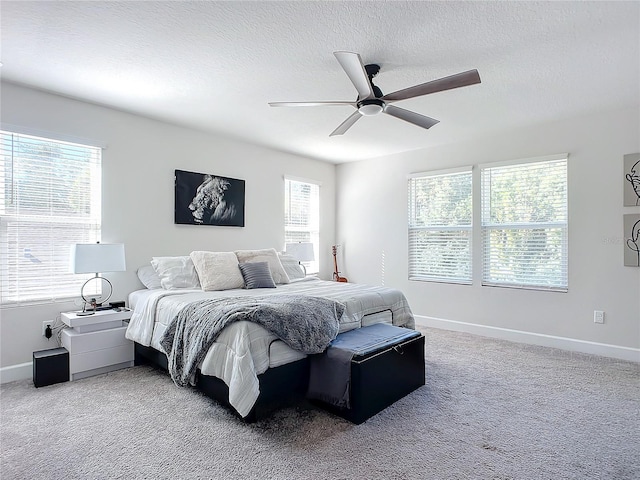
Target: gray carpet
(490,410)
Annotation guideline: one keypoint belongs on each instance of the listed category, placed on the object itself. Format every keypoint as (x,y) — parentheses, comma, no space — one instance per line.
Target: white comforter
(241,352)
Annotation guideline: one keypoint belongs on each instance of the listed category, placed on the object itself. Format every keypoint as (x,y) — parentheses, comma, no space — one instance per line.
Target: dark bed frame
(378,379)
(279,386)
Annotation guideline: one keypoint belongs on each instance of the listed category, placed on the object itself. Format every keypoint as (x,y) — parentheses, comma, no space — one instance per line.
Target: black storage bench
(383,364)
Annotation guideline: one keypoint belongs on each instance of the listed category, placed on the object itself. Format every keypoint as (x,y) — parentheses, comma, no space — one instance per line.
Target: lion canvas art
(206,199)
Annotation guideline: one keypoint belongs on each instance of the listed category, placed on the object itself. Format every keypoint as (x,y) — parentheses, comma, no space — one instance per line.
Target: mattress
(244,350)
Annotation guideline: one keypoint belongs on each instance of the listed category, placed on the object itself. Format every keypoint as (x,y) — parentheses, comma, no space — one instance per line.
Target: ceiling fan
(371,100)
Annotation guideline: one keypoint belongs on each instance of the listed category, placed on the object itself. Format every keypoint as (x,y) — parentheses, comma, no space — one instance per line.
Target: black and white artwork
(632,180)
(632,240)
(205,199)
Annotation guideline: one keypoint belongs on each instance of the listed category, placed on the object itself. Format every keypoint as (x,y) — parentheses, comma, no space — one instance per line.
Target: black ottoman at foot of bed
(383,375)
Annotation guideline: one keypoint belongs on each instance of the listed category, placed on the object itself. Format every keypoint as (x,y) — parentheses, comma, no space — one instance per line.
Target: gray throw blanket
(305,323)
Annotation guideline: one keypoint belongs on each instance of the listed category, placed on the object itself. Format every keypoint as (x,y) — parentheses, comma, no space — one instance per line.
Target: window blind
(49,199)
(525,225)
(440,226)
(302,216)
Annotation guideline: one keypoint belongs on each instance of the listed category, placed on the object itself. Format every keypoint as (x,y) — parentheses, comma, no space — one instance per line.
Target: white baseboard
(564,343)
(25,370)
(16,372)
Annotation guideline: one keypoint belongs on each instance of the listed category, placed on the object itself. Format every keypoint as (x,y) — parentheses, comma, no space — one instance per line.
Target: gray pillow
(257,275)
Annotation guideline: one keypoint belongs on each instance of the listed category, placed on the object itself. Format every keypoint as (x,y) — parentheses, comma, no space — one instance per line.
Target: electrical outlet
(44,326)
(598,316)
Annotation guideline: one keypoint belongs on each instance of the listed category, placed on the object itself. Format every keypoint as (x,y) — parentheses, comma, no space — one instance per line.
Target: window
(524,224)
(49,200)
(440,224)
(302,216)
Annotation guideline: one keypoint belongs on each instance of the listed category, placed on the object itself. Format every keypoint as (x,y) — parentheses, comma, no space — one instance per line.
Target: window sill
(36,303)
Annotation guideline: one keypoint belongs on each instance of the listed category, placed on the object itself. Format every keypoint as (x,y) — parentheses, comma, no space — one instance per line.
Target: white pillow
(268,255)
(176,272)
(149,277)
(217,270)
(292,266)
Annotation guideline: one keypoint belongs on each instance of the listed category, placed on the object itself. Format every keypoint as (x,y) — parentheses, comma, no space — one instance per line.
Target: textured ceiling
(215,65)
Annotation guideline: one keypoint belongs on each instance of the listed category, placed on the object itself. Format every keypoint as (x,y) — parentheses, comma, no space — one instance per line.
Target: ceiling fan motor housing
(372,70)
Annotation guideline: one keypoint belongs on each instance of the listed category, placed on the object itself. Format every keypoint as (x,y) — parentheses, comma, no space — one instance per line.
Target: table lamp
(97,258)
(301,251)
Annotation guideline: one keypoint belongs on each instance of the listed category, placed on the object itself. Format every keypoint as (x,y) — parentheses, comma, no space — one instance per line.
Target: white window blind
(524,225)
(440,226)
(49,199)
(302,216)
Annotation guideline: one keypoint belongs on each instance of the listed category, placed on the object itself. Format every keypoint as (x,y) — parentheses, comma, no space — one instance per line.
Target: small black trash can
(50,366)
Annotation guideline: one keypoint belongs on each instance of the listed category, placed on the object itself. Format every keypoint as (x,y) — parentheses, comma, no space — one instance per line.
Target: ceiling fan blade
(347,124)
(411,117)
(309,104)
(463,79)
(354,68)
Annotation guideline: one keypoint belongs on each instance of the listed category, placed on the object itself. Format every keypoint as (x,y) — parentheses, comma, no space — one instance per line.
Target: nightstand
(96,343)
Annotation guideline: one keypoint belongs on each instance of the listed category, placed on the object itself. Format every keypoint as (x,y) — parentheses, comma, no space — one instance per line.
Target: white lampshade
(301,251)
(97,257)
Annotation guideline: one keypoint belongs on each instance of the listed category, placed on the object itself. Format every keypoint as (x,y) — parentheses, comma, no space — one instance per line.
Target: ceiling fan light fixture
(370,107)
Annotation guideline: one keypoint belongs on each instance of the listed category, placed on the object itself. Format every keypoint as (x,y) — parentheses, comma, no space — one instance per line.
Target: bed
(247,367)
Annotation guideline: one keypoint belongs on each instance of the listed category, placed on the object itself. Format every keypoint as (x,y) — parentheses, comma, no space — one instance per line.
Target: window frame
(21,209)
(312,268)
(413,228)
(487,226)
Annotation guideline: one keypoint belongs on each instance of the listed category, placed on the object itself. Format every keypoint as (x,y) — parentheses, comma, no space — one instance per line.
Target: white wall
(372,228)
(142,154)
(138,170)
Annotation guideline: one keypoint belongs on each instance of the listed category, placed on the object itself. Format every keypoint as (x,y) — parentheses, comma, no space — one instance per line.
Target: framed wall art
(632,240)
(207,199)
(632,180)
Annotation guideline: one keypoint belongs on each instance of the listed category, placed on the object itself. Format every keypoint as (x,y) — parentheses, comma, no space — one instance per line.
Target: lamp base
(95,299)
(84,314)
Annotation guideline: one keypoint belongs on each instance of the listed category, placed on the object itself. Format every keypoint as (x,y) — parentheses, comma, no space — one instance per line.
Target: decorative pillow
(149,277)
(268,255)
(257,275)
(176,272)
(217,270)
(292,267)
